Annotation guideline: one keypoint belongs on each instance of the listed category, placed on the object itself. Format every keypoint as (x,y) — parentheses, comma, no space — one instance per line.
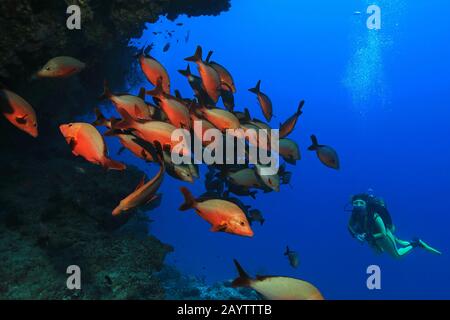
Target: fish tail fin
(256,89)
(189,200)
(106,91)
(300,106)
(244,279)
(158,90)
(186,72)
(100,119)
(114,165)
(197,55)
(315,143)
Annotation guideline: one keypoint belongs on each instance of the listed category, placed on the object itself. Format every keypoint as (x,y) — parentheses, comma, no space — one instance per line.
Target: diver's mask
(359,206)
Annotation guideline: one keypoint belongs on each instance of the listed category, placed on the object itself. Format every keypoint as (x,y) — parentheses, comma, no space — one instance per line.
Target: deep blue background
(380,98)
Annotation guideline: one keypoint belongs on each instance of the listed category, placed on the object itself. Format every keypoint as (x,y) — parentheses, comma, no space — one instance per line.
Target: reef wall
(55,209)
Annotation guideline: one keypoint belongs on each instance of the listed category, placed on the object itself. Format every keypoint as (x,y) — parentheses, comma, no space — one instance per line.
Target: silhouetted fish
(166,47)
(326,154)
(292,256)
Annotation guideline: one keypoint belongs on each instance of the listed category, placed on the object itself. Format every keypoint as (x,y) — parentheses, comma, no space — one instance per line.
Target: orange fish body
(210,77)
(153,70)
(151,131)
(223,215)
(205,125)
(128,142)
(144,193)
(263,100)
(287,127)
(19,112)
(224,75)
(135,106)
(221,119)
(87,142)
(174,109)
(61,67)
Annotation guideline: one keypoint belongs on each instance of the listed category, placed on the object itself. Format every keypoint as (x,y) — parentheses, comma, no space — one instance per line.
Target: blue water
(379,97)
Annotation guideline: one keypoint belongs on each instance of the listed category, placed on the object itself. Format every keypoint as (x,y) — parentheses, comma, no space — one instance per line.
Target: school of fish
(144,128)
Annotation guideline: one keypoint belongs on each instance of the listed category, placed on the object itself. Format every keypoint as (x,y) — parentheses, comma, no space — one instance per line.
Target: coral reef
(55,209)
(56,213)
(182,287)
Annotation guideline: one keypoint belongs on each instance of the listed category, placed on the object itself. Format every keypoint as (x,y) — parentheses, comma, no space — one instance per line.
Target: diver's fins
(419,243)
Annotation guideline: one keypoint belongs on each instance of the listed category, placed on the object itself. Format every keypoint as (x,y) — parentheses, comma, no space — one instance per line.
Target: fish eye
(242,223)
(48,68)
(70,124)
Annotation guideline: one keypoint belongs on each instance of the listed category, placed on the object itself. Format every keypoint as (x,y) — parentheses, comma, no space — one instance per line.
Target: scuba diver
(371,222)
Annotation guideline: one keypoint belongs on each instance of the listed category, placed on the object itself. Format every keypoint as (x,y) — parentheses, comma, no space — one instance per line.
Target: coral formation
(55,210)
(180,287)
(57,213)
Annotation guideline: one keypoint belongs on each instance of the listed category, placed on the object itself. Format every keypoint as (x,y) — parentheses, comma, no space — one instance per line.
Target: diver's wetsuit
(378,231)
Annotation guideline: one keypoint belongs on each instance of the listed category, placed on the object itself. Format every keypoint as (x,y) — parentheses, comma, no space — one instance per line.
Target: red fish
(223,215)
(61,67)
(134,105)
(19,112)
(87,142)
(264,101)
(288,126)
(144,193)
(173,107)
(224,74)
(150,131)
(154,70)
(210,77)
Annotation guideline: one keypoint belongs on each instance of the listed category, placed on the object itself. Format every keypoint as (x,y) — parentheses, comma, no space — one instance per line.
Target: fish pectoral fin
(72,143)
(153,197)
(219,228)
(138,112)
(22,119)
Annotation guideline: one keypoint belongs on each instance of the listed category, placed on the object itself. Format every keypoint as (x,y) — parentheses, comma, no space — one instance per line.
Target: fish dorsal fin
(300,107)
(142,93)
(141,183)
(208,57)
